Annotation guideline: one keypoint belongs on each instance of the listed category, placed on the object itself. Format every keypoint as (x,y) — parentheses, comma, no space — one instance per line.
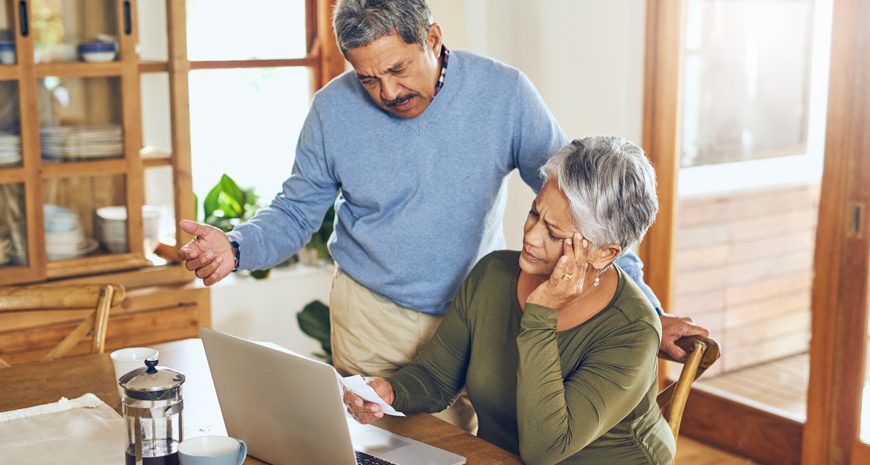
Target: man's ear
(434,39)
(604,256)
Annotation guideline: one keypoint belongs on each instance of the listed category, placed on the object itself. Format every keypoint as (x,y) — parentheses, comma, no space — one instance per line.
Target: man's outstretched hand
(209,254)
(675,327)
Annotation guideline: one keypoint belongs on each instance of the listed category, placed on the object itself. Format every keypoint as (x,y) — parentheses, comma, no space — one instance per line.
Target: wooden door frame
(750,431)
(842,255)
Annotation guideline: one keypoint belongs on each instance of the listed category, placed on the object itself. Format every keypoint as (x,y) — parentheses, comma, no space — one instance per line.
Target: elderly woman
(556,344)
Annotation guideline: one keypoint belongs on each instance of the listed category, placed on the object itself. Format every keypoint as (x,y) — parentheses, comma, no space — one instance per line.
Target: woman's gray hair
(611,187)
(358,23)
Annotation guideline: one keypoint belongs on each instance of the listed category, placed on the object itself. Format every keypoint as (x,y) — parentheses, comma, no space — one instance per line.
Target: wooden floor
(781,384)
(691,452)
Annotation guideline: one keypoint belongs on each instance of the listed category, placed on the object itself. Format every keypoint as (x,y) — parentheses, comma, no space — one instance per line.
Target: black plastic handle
(128,18)
(22,18)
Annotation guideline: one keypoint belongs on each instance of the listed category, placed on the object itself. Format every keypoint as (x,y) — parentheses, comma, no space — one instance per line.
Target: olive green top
(584,395)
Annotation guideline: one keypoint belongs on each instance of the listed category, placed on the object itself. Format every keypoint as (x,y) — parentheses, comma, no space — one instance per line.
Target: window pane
(13,226)
(153,40)
(245,123)
(253,29)
(743,260)
(156,115)
(747,67)
(743,268)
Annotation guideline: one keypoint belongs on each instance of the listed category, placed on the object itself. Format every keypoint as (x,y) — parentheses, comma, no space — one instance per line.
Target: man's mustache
(398,100)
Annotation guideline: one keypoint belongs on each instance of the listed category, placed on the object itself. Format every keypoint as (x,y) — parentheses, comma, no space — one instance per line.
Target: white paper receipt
(357,384)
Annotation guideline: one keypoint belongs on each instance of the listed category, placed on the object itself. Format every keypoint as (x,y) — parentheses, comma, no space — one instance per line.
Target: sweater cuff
(400,395)
(236,236)
(538,317)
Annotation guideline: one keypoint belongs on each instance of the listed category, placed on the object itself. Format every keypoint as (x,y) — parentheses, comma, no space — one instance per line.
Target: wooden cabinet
(75,165)
(72,169)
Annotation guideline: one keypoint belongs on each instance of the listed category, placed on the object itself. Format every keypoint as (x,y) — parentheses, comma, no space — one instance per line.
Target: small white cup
(212,450)
(127,360)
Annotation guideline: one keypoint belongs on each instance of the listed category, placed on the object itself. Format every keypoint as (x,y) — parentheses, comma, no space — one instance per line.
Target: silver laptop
(288,409)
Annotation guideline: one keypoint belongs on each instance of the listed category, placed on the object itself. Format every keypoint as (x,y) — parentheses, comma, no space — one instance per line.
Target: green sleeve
(433,380)
(558,417)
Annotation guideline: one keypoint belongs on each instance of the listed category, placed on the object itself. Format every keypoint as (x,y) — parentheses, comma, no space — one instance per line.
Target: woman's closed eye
(533,214)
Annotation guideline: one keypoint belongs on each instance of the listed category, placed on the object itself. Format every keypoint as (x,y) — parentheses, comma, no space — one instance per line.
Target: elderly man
(418,142)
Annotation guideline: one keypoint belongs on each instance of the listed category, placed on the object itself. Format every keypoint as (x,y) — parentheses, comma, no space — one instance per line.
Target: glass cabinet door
(7,33)
(13,226)
(84,216)
(256,29)
(80,119)
(10,128)
(74,30)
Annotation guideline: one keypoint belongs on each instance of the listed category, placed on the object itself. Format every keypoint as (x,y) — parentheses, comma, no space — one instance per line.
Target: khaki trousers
(372,336)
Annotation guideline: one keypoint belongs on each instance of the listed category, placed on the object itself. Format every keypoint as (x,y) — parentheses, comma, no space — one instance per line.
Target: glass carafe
(152,406)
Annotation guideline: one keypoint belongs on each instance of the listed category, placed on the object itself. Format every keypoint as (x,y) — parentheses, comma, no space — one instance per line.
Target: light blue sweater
(419,200)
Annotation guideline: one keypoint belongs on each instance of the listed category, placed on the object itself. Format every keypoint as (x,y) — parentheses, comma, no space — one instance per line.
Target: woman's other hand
(568,277)
(368,412)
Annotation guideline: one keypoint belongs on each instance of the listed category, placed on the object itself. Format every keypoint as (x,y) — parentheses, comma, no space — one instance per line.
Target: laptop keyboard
(365,459)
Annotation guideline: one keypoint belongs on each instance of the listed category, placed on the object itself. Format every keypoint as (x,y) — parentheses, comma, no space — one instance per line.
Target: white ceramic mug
(127,360)
(212,450)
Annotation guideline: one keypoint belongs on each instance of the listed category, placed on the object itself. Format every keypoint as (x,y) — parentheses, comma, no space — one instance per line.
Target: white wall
(584,56)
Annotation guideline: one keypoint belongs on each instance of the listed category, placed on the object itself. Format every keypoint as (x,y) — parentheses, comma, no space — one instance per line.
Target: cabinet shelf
(79,69)
(83,168)
(8,72)
(12,175)
(93,264)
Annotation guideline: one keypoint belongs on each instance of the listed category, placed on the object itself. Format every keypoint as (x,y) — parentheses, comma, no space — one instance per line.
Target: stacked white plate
(64,235)
(10,149)
(112,227)
(81,142)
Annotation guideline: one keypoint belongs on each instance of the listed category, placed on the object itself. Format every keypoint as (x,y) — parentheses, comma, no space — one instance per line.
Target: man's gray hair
(611,187)
(358,23)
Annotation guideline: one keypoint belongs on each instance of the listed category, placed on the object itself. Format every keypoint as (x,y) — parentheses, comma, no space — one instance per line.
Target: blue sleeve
(537,135)
(631,264)
(278,231)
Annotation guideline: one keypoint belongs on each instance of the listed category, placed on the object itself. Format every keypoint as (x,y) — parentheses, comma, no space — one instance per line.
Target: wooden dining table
(41,383)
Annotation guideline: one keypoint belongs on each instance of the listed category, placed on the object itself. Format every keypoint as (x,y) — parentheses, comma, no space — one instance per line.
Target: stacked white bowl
(112,227)
(64,235)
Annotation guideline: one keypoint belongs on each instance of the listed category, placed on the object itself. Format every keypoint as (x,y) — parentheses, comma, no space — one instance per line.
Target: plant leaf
(210,204)
(232,189)
(314,321)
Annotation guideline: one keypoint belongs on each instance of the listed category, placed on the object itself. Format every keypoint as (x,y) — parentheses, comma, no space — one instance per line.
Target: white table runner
(83,431)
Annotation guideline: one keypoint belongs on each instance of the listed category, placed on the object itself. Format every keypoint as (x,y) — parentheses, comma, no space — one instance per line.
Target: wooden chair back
(703,352)
(100,297)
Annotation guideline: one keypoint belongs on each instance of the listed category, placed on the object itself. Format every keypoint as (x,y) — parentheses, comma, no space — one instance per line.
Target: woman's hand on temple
(369,412)
(568,277)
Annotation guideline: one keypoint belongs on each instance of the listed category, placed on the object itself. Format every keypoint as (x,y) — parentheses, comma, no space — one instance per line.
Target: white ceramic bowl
(98,57)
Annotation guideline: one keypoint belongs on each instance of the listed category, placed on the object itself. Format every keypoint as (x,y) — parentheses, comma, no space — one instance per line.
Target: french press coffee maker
(152,408)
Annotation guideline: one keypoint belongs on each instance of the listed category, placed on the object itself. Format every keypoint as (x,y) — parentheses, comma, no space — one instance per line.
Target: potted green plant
(314,321)
(227,205)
